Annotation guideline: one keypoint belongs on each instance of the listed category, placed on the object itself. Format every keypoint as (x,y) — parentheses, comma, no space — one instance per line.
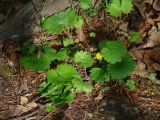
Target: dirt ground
(19,99)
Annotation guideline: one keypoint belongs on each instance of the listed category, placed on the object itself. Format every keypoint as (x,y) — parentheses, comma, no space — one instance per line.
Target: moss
(6,72)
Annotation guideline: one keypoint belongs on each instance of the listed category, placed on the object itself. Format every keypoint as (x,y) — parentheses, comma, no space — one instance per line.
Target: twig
(45,94)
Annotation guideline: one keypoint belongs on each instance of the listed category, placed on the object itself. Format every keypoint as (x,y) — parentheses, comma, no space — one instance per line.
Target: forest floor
(19,97)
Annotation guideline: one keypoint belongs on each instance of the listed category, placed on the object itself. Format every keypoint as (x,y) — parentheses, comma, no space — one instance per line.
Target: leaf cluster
(55,24)
(118,63)
(117,7)
(61,82)
(39,58)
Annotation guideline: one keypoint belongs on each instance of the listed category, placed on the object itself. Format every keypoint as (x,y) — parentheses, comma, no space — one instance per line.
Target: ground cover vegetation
(111,62)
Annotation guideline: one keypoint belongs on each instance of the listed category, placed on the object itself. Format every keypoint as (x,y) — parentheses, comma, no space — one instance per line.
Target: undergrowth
(63,81)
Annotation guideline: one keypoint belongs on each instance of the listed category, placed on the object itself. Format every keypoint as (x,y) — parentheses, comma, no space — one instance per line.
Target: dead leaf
(23,100)
(156,66)
(140,69)
(81,35)
(136,53)
(99,97)
(32,105)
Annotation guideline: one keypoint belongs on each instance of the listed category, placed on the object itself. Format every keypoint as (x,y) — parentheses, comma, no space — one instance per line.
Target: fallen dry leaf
(99,97)
(23,100)
(156,66)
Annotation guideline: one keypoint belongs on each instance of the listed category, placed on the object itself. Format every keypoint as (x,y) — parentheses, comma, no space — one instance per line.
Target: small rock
(23,100)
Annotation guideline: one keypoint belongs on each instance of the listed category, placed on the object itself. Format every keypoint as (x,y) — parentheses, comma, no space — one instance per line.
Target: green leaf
(126,6)
(134,37)
(85,4)
(69,18)
(131,84)
(99,75)
(62,20)
(81,86)
(61,54)
(67,42)
(84,58)
(51,25)
(113,51)
(33,63)
(117,7)
(54,91)
(102,44)
(50,53)
(152,76)
(121,69)
(79,22)
(49,107)
(92,34)
(52,76)
(70,97)
(66,71)
(39,62)
(43,86)
(28,48)
(114,8)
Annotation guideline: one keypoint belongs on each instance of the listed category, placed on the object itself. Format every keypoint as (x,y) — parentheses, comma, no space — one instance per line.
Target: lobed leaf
(41,62)
(84,58)
(113,51)
(117,7)
(81,86)
(49,107)
(134,37)
(67,42)
(99,75)
(63,20)
(66,72)
(121,69)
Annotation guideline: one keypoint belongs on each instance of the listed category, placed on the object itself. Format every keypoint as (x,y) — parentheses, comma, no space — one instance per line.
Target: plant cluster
(63,82)
(117,63)
(111,62)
